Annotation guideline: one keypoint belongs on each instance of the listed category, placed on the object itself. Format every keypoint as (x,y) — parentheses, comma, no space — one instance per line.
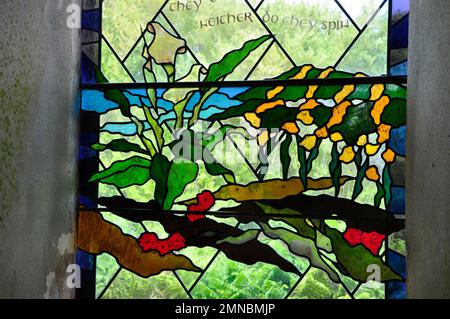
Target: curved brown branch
(97,236)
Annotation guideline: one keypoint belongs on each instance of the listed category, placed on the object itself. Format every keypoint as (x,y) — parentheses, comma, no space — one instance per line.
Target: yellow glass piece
(360,75)
(389,156)
(303,72)
(372,174)
(305,117)
(263,138)
(347,155)
(378,108)
(165,46)
(336,137)
(271,189)
(274,92)
(269,105)
(309,105)
(253,119)
(322,132)
(338,114)
(290,127)
(308,142)
(312,89)
(346,91)
(384,131)
(309,223)
(372,149)
(376,91)
(362,140)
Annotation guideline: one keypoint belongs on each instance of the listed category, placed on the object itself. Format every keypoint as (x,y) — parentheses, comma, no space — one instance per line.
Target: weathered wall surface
(39,79)
(428,167)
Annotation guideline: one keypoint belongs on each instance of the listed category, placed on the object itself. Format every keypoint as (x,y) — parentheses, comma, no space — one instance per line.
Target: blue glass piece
(222,101)
(400,7)
(217,100)
(232,92)
(193,102)
(160,92)
(210,111)
(396,290)
(95,101)
(398,141)
(127,129)
(400,69)
(90,20)
(86,201)
(398,38)
(135,99)
(87,70)
(397,262)
(85,260)
(88,139)
(204,114)
(164,104)
(397,204)
(87,152)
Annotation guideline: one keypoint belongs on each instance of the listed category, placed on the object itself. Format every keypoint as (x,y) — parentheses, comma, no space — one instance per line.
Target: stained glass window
(243,149)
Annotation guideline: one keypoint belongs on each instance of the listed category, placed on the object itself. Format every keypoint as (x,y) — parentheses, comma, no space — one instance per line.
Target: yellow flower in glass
(336,137)
(305,117)
(372,149)
(322,132)
(263,138)
(347,155)
(384,132)
(290,127)
(253,119)
(372,174)
(362,140)
(308,142)
(389,156)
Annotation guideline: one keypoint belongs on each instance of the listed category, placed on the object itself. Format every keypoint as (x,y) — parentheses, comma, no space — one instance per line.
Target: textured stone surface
(38,117)
(428,164)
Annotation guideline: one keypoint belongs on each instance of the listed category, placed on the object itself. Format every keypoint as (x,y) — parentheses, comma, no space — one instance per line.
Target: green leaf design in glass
(132,171)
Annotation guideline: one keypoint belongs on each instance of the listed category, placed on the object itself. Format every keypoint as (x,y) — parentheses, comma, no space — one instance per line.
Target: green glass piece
(356,259)
(356,122)
(302,228)
(120,145)
(229,279)
(159,172)
(396,91)
(218,71)
(132,171)
(335,168)
(362,92)
(301,246)
(217,169)
(171,178)
(358,188)
(313,156)
(276,117)
(285,156)
(114,95)
(321,115)
(302,160)
(317,285)
(249,106)
(387,183)
(395,113)
(379,195)
(327,91)
(128,285)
